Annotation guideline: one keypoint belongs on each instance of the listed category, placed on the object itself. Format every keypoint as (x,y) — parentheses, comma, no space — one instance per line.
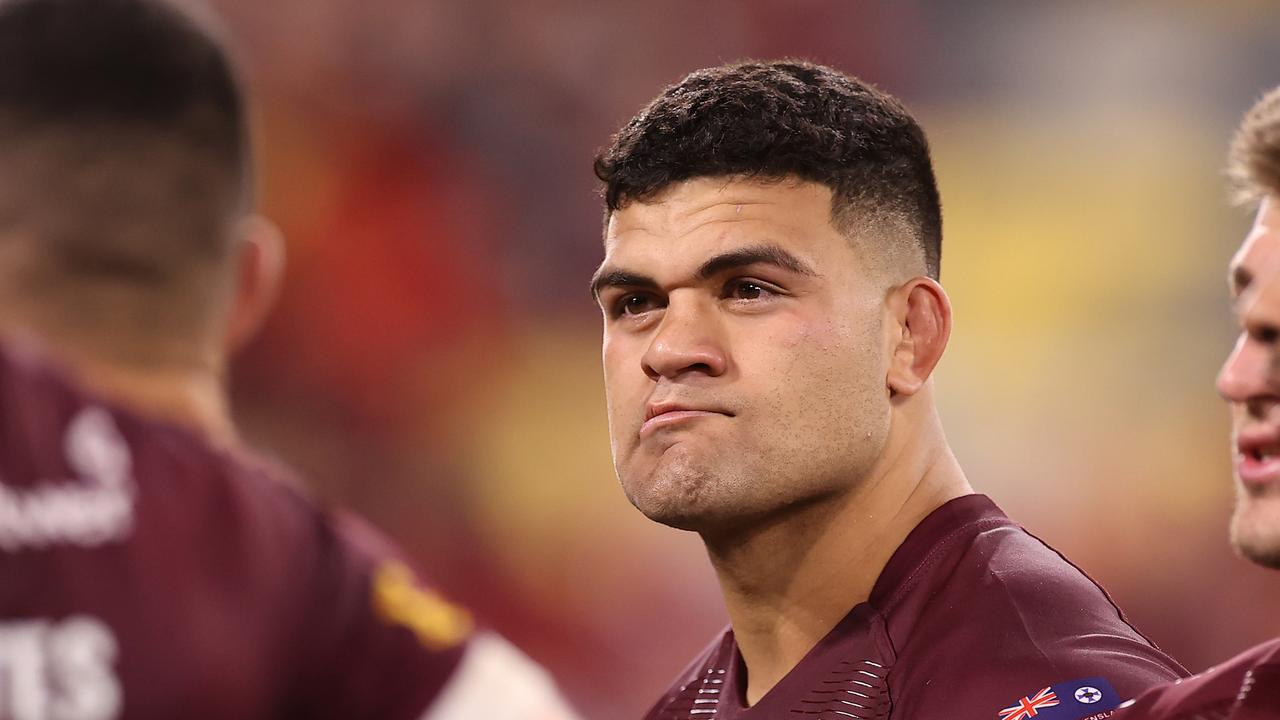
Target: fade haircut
(1254,161)
(123,143)
(788,119)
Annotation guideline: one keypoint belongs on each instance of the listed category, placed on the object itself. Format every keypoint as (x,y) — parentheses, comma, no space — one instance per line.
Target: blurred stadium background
(434,362)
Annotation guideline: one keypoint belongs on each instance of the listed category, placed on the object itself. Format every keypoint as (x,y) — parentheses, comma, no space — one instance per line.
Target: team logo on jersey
(399,599)
(93,507)
(1073,700)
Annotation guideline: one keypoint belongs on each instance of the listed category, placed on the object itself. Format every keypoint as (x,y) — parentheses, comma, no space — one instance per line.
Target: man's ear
(258,256)
(923,313)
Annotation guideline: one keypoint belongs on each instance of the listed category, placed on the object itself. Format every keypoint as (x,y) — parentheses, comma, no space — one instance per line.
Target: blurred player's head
(771,313)
(1250,378)
(125,185)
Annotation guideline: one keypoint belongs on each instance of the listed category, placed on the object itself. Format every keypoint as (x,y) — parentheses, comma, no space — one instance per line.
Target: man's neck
(186,391)
(788,582)
(192,397)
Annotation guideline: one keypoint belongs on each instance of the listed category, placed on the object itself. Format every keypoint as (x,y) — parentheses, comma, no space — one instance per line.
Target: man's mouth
(1258,457)
(659,416)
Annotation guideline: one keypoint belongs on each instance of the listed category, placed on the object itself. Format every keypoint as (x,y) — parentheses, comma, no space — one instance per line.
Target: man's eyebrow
(756,254)
(613,277)
(766,254)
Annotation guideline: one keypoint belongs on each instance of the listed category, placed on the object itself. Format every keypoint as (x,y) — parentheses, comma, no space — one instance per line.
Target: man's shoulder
(994,574)
(1000,617)
(1246,686)
(1013,575)
(1007,578)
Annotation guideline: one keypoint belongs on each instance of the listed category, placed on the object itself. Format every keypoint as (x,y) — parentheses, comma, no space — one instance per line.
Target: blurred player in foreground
(1247,687)
(772,317)
(149,566)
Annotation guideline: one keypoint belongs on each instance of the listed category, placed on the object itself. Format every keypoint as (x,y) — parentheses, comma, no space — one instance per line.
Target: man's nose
(689,339)
(1249,371)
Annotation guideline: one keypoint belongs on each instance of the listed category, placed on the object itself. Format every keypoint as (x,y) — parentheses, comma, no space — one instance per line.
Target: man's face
(744,352)
(1250,381)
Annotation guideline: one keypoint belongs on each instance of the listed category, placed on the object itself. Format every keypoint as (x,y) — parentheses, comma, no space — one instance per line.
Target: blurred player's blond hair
(1254,164)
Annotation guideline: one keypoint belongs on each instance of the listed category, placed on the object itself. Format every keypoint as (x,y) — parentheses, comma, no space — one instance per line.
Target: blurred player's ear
(259,267)
(922,312)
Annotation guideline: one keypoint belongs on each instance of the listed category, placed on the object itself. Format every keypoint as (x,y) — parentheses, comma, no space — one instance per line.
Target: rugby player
(772,317)
(150,567)
(1247,687)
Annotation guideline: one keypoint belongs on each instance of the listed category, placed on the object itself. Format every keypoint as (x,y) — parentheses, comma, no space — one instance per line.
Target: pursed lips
(665,414)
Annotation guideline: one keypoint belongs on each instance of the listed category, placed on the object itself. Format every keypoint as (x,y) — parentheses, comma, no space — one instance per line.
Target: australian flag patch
(1088,699)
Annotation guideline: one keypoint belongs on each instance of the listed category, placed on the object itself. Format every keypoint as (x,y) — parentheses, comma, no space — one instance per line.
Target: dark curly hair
(780,119)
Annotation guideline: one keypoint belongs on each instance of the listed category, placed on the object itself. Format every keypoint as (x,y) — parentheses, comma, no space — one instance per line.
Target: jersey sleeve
(1074,680)
(375,642)
(495,681)
(382,645)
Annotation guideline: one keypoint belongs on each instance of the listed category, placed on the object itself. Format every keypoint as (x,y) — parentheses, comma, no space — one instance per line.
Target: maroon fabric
(970,615)
(144,574)
(1246,687)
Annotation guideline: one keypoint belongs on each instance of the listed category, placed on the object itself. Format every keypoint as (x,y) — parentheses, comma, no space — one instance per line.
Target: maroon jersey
(144,574)
(1247,687)
(973,618)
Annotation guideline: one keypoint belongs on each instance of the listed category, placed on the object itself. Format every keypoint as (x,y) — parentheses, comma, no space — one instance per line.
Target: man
(1247,686)
(150,567)
(772,318)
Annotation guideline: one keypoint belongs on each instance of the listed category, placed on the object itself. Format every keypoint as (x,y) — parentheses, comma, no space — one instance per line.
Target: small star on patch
(1088,695)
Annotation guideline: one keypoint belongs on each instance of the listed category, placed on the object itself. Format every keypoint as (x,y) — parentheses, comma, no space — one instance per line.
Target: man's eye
(746,290)
(634,304)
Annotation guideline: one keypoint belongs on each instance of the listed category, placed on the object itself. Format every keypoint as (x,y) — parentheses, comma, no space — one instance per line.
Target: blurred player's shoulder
(63,448)
(1246,687)
(203,576)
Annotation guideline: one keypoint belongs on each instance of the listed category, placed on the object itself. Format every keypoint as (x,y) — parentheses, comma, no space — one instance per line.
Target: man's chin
(1255,530)
(702,512)
(679,509)
(676,520)
(673,491)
